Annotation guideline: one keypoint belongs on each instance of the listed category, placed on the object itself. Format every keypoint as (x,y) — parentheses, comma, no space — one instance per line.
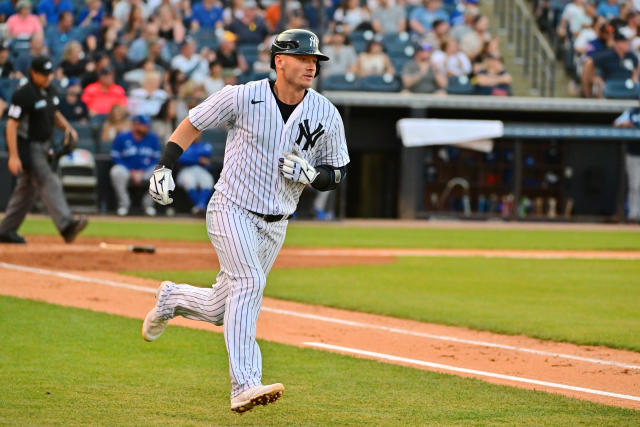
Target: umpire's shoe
(72,230)
(153,325)
(11,237)
(258,395)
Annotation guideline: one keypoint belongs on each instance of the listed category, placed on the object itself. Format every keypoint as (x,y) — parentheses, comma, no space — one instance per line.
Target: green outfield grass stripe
(476,372)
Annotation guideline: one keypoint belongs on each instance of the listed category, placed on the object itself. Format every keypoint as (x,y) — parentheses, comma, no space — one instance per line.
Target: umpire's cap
(296,42)
(42,65)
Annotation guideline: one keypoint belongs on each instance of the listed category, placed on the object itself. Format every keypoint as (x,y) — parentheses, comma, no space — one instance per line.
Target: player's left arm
(70,134)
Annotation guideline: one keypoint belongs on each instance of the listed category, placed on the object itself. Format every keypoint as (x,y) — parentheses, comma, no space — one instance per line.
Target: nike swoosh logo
(253,101)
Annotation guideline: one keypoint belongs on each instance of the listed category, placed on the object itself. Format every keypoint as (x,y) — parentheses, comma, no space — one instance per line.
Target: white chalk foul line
(447,338)
(467,371)
(123,285)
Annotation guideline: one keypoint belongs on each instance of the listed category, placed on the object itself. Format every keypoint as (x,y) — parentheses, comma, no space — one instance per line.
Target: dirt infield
(49,271)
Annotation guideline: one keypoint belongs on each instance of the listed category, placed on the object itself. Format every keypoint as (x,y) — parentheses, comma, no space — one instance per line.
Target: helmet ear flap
(317,68)
(273,62)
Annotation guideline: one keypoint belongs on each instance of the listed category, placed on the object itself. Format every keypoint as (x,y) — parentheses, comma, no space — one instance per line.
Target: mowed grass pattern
(64,366)
(580,301)
(337,235)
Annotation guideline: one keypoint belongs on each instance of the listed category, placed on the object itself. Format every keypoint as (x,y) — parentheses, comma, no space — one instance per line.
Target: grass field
(69,366)
(329,235)
(64,366)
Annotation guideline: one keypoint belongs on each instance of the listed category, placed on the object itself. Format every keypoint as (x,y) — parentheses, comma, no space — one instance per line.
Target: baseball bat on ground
(146,249)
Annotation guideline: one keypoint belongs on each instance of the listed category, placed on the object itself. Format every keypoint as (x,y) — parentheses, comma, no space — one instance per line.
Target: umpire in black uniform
(32,115)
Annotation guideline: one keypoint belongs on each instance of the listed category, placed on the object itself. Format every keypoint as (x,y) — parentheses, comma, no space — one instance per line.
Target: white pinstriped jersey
(258,136)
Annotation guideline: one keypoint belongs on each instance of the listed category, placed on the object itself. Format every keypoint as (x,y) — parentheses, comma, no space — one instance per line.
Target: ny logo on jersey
(310,137)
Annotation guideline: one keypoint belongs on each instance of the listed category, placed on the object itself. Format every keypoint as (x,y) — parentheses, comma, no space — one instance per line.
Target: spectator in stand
(214,81)
(420,76)
(450,61)
(92,73)
(493,78)
(234,10)
(103,94)
(389,18)
(156,54)
(190,95)
(8,8)
(92,14)
(439,34)
(56,37)
(73,63)
(574,18)
(462,29)
(50,10)
(272,14)
(207,15)
(352,17)
(422,17)
(250,29)
(148,99)
(228,56)
(473,42)
(122,10)
(135,155)
(373,61)
(262,64)
(71,106)
(191,63)
(590,43)
(37,47)
(610,9)
(631,119)
(343,55)
(491,48)
(194,175)
(139,49)
(24,24)
(630,30)
(617,63)
(119,62)
(134,25)
(7,71)
(117,122)
(170,27)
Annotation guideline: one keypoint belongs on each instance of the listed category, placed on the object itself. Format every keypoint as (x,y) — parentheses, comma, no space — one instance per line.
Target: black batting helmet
(297,42)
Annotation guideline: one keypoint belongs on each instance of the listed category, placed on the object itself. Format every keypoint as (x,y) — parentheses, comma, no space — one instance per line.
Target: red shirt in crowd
(100,101)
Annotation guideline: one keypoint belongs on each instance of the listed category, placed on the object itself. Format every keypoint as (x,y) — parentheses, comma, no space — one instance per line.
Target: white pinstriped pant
(247,247)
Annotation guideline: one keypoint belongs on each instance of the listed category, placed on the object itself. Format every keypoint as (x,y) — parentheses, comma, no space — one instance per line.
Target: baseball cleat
(258,395)
(153,325)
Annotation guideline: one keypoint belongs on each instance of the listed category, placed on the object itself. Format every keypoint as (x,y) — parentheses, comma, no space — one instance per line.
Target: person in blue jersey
(134,155)
(194,176)
(631,119)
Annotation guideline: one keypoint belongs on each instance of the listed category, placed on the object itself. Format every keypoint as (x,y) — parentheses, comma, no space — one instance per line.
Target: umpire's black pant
(37,179)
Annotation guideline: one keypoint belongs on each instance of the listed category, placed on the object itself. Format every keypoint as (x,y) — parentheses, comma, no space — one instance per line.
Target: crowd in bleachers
(600,40)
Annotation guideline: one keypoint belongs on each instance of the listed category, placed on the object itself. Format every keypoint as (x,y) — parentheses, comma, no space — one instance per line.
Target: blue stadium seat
(620,89)
(86,136)
(214,136)
(459,86)
(8,87)
(396,43)
(340,82)
(3,138)
(380,84)
(205,38)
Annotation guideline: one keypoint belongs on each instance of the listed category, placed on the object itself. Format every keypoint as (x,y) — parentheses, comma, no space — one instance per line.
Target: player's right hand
(160,184)
(15,165)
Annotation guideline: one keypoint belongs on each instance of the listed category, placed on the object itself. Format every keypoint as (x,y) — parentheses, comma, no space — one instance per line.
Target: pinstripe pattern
(247,246)
(258,137)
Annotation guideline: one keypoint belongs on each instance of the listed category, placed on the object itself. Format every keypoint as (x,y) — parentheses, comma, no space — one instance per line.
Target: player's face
(299,70)
(41,80)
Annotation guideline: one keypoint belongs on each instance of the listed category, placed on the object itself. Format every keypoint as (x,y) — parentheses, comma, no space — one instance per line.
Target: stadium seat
(396,43)
(3,138)
(86,136)
(250,53)
(620,89)
(77,173)
(341,82)
(8,87)
(205,38)
(459,86)
(380,84)
(214,136)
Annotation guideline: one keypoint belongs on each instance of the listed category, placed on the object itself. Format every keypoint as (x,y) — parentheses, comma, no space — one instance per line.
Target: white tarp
(472,134)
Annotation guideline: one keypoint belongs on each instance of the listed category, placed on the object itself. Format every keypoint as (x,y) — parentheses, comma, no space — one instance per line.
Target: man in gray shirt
(389,18)
(419,76)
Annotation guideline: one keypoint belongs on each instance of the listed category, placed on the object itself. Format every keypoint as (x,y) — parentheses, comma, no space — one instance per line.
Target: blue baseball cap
(143,119)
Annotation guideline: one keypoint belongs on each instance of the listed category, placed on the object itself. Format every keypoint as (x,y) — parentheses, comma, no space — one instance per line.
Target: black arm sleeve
(170,156)
(328,177)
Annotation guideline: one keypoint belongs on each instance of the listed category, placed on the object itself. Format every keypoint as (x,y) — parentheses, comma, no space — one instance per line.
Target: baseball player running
(282,137)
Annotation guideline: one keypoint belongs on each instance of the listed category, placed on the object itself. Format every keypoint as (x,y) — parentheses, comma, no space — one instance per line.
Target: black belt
(271,218)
